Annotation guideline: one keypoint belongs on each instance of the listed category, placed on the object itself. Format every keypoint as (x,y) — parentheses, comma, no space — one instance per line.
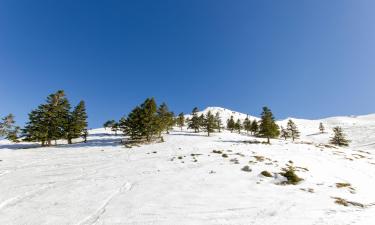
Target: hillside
(193,179)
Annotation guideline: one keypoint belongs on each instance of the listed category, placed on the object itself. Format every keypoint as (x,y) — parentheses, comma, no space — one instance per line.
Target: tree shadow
(104,142)
(19,146)
(188,134)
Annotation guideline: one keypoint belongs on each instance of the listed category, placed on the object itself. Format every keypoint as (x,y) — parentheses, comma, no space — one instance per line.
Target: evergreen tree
(321,128)
(209,123)
(231,124)
(109,124)
(254,127)
(238,126)
(268,127)
(165,118)
(339,138)
(247,125)
(49,121)
(8,129)
(218,122)
(181,120)
(201,120)
(142,122)
(77,122)
(194,122)
(284,133)
(292,130)
(115,128)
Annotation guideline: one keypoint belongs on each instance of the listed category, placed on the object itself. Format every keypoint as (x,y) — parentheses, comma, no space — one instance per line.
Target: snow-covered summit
(225,114)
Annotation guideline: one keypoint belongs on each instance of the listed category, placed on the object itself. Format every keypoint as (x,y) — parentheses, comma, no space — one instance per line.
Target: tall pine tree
(218,122)
(209,123)
(268,127)
(231,124)
(238,126)
(194,122)
(247,125)
(254,127)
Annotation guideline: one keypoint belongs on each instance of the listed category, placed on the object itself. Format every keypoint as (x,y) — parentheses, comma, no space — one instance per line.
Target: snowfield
(182,181)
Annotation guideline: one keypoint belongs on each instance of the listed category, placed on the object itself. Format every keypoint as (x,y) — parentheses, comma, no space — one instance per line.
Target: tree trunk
(69,141)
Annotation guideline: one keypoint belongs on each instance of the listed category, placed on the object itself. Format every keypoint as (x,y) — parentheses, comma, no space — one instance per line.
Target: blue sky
(309,59)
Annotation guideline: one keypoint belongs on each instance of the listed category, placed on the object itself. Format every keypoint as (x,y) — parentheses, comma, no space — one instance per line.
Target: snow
(181,181)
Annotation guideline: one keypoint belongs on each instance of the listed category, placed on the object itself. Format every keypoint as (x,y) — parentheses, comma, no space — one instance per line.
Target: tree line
(55,120)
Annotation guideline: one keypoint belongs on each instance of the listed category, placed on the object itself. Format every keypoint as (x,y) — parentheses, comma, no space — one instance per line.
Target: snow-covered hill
(225,114)
(193,179)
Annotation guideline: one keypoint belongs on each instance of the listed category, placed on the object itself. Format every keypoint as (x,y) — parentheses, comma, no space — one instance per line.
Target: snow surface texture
(181,181)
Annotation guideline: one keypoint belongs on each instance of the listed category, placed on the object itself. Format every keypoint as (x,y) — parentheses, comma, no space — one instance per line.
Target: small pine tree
(247,125)
(8,129)
(339,138)
(268,127)
(284,133)
(292,130)
(194,122)
(238,126)
(209,123)
(109,124)
(231,124)
(254,127)
(181,120)
(321,128)
(218,122)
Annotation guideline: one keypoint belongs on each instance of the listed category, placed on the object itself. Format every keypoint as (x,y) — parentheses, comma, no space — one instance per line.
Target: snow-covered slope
(225,114)
(182,181)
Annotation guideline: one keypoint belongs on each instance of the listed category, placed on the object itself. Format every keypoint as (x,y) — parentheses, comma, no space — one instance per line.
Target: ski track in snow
(93,218)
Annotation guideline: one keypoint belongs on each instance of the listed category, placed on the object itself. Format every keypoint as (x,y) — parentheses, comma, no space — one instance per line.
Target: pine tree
(181,120)
(339,138)
(77,122)
(8,129)
(268,127)
(109,124)
(238,126)
(115,128)
(247,125)
(194,122)
(218,122)
(142,122)
(292,130)
(254,127)
(231,124)
(165,118)
(209,123)
(284,133)
(321,128)
(49,121)
(201,120)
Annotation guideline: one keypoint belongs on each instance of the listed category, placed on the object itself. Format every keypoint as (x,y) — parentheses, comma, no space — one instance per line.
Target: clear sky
(308,59)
